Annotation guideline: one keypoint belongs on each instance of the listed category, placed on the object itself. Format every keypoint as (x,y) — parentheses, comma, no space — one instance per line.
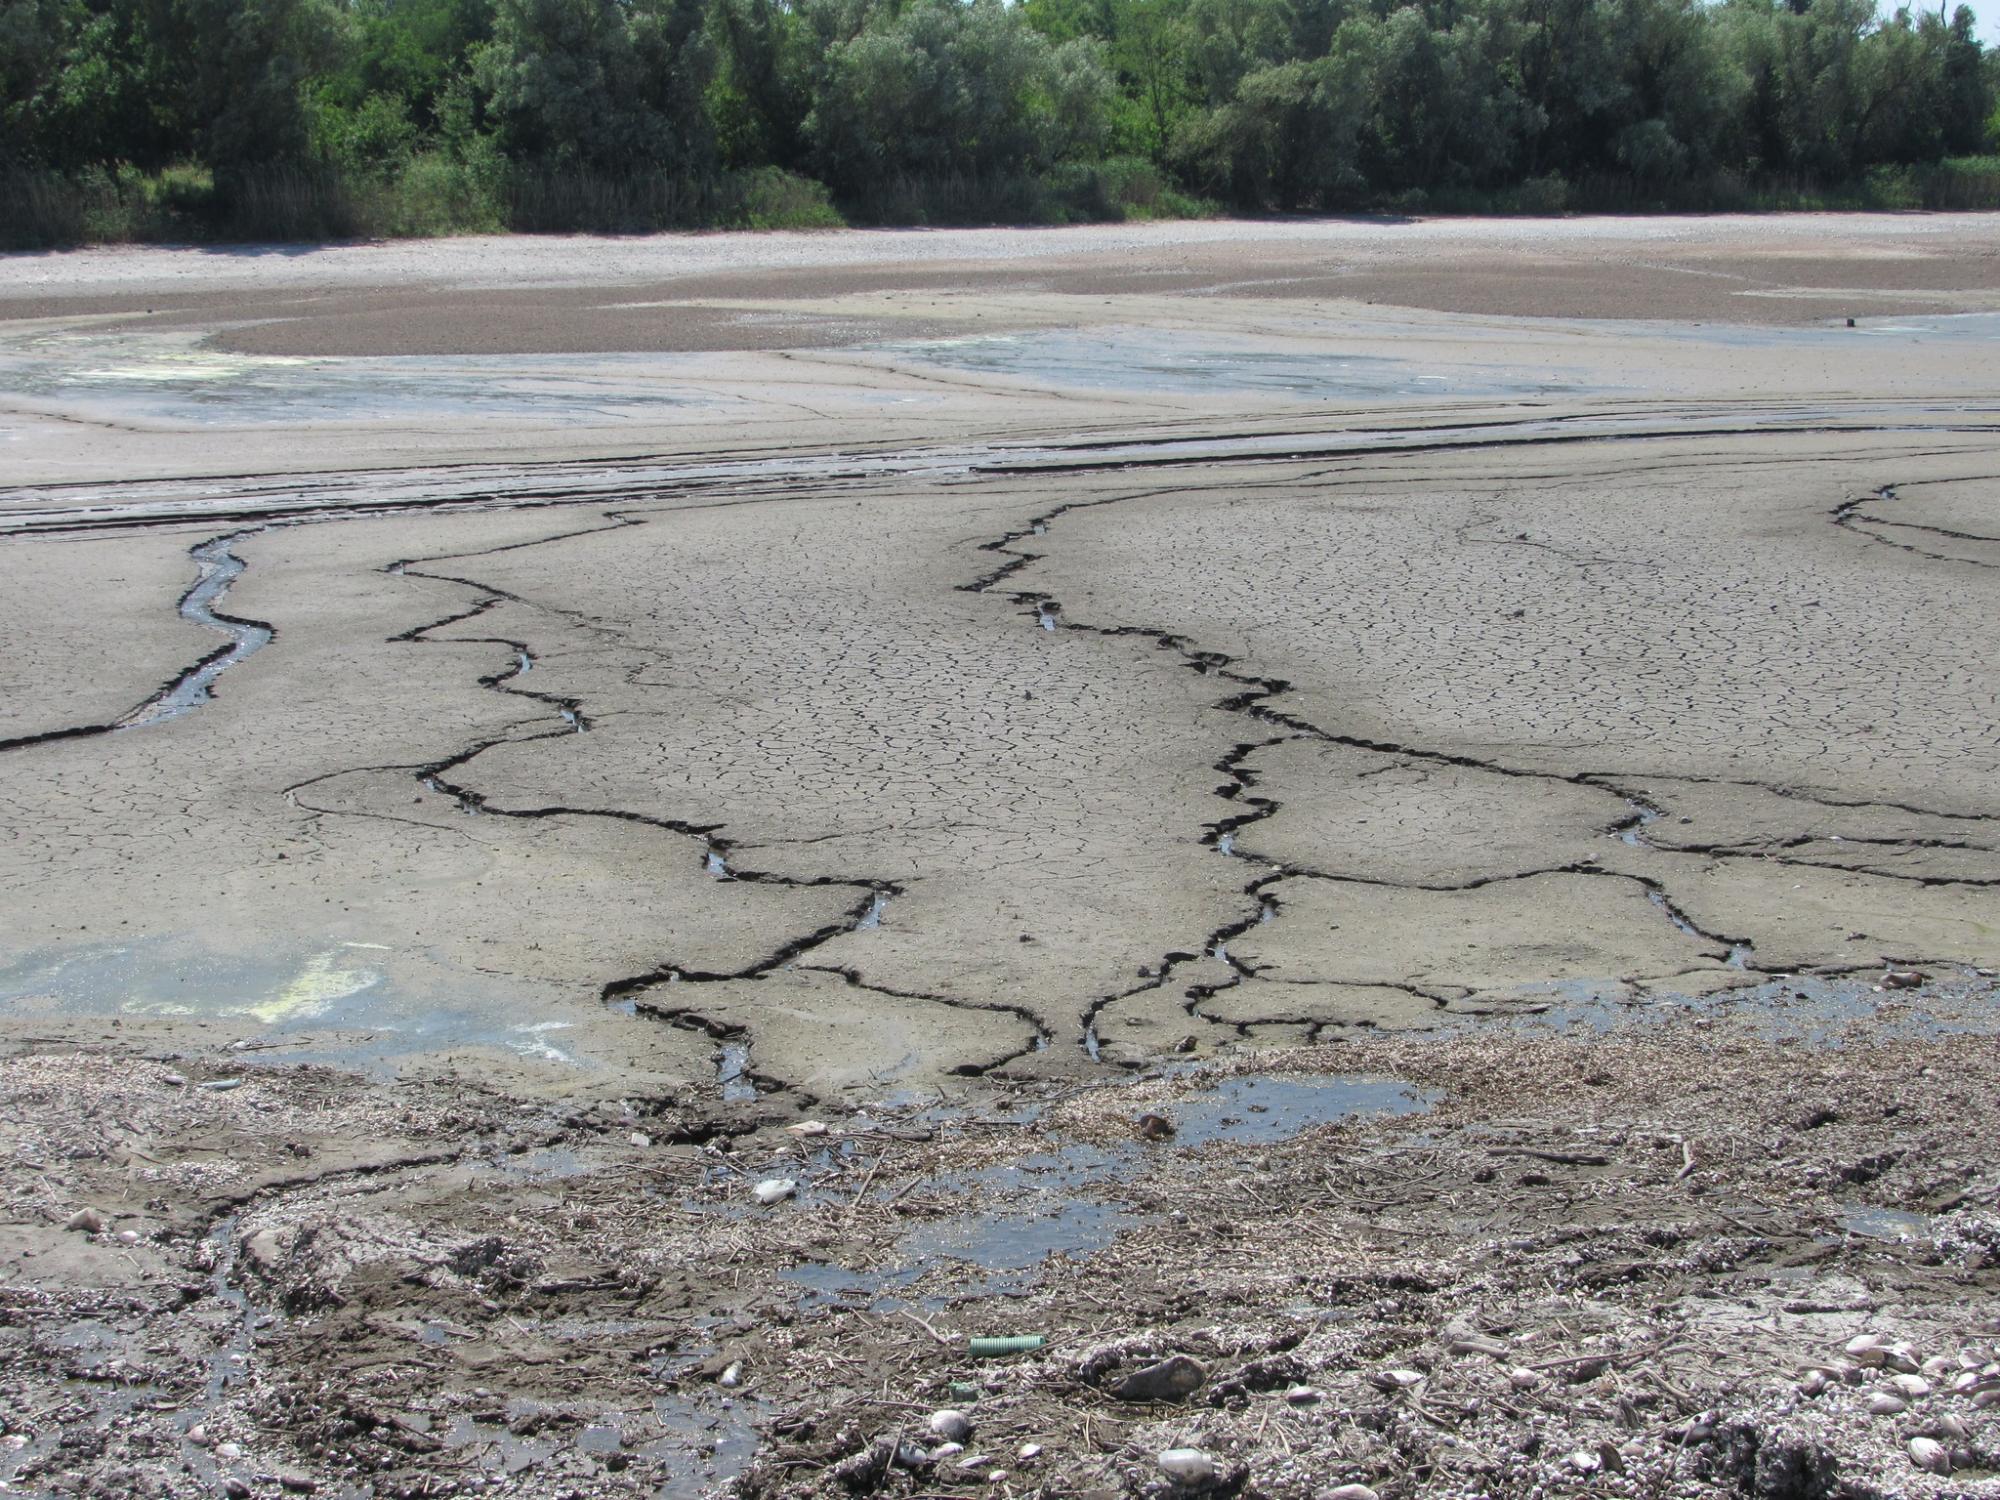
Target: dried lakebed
(1069,832)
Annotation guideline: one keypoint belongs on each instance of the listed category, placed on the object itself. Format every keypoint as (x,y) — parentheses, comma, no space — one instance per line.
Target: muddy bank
(1512,1262)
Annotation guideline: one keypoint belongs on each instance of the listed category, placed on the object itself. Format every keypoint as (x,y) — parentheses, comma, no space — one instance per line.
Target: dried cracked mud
(1433,857)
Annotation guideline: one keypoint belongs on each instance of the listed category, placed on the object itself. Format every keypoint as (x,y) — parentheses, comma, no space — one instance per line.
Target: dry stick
(921,1323)
(1687,1161)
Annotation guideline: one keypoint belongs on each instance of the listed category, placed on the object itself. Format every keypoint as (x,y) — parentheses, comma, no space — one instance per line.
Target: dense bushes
(176,118)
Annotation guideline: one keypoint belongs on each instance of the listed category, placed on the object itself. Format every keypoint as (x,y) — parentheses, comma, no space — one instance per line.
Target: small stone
(951,1424)
(1813,1384)
(1586,1461)
(1028,1452)
(1982,1400)
(174,1081)
(228,1452)
(1172,1379)
(198,1435)
(85,1221)
(1929,1454)
(1524,1379)
(1954,1428)
(1188,1466)
(236,1489)
(1301,1395)
(640,1138)
(774,1190)
(297,1484)
(128,1236)
(1882,1404)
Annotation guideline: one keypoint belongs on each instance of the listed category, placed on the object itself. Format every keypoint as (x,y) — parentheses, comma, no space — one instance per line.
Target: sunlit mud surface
(1415,894)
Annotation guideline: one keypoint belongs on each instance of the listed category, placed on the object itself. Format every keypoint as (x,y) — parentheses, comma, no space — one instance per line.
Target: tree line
(415,115)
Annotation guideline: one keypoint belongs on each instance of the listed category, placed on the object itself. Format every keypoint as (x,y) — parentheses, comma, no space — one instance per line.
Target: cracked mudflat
(1436,857)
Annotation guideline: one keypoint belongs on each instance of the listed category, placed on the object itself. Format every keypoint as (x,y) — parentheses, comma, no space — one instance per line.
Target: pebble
(1813,1384)
(640,1138)
(952,1425)
(1585,1461)
(1524,1379)
(228,1452)
(1301,1395)
(774,1190)
(198,1435)
(85,1221)
(1396,1380)
(1029,1452)
(1189,1466)
(1928,1453)
(1172,1379)
(174,1081)
(1882,1404)
(236,1489)
(128,1236)
(1954,1427)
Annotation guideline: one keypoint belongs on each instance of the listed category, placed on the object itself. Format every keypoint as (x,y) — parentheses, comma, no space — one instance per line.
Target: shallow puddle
(1197,364)
(1065,1200)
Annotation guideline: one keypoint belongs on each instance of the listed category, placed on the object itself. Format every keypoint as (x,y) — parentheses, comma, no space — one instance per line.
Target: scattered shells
(1873,1351)
(774,1190)
(1188,1466)
(1928,1453)
(951,1425)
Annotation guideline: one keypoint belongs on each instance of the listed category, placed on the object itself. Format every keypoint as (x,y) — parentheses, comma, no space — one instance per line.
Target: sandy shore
(533,722)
